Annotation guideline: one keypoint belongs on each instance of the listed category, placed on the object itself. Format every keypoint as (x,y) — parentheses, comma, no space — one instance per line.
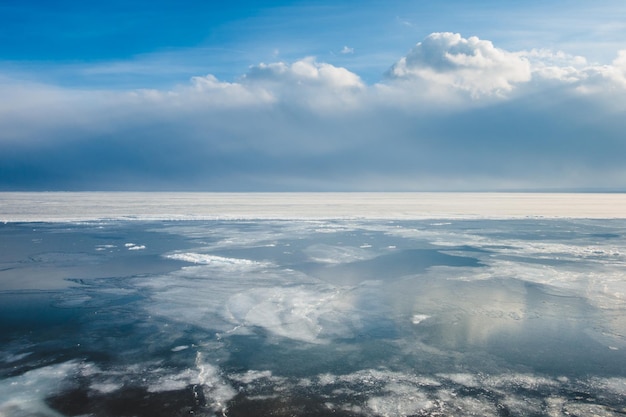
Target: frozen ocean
(294,305)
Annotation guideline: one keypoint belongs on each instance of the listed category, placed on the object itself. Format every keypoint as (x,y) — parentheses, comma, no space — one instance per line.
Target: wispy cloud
(347,50)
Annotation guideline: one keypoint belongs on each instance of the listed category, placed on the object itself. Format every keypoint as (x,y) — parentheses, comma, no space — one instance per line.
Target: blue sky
(312,95)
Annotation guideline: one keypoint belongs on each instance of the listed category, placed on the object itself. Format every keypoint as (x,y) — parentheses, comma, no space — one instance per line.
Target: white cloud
(304,72)
(471,64)
(222,94)
(454,113)
(557,68)
(616,72)
(560,66)
(307,83)
(347,50)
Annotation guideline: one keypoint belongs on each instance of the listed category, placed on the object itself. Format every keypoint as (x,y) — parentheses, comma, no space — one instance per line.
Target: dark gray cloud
(454,114)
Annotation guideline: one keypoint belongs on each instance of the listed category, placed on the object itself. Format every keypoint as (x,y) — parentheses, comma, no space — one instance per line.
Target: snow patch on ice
(24,395)
(106,387)
(179,348)
(173,382)
(400,400)
(467,380)
(214,260)
(214,386)
(105,247)
(133,246)
(615,385)
(216,389)
(418,318)
(251,376)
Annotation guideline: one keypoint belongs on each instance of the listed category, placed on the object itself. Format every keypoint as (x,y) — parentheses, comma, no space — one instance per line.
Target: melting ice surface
(313,318)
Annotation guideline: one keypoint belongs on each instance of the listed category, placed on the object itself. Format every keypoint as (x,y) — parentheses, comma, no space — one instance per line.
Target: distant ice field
(107,311)
(59,206)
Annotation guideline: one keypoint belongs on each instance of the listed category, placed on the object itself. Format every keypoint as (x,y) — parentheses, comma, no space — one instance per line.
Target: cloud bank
(454,113)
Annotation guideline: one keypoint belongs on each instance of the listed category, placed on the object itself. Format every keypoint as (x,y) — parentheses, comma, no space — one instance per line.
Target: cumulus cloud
(454,113)
(225,93)
(557,65)
(471,64)
(304,72)
(306,83)
(614,75)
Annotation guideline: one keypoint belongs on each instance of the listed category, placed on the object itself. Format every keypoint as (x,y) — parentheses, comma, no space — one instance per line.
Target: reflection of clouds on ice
(452,318)
(575,256)
(248,234)
(434,235)
(603,285)
(338,254)
(235,292)
(500,314)
(595,272)
(223,294)
(305,314)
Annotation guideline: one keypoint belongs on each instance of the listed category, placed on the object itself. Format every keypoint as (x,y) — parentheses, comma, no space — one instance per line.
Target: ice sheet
(65,207)
(327,317)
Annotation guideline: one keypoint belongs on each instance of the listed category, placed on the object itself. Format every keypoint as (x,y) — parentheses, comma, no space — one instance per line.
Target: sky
(396,95)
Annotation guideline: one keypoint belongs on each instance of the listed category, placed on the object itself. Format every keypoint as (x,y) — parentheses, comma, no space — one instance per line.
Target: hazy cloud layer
(454,113)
